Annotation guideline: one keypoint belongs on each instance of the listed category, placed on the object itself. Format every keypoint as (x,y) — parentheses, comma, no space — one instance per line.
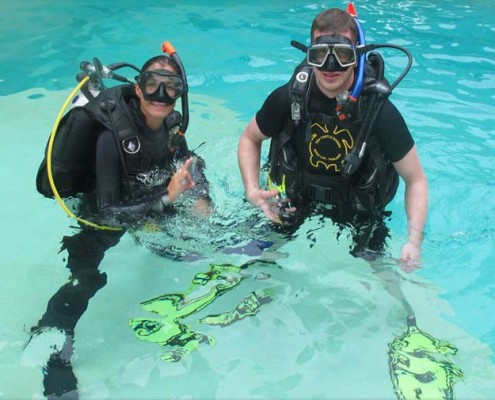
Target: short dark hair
(162,59)
(334,21)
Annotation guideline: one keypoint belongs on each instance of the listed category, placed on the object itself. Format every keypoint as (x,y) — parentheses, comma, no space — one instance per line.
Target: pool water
(302,319)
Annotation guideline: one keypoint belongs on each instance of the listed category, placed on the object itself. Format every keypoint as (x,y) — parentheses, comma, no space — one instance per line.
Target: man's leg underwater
(369,235)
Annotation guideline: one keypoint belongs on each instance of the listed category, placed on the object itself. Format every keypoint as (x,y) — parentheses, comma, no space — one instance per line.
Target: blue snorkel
(358,85)
(346,101)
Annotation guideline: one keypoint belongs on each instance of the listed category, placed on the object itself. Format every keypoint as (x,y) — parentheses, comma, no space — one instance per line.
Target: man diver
(312,160)
(130,135)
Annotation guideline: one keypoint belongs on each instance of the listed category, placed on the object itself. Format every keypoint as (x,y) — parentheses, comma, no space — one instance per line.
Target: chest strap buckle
(320,193)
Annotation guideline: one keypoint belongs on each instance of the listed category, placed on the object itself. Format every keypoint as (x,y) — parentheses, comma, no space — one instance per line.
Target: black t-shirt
(323,145)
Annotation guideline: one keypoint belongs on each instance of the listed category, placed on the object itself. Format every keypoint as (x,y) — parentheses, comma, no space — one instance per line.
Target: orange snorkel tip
(168,48)
(351,9)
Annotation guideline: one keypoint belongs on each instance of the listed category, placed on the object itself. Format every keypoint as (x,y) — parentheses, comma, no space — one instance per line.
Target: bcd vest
(371,186)
(74,148)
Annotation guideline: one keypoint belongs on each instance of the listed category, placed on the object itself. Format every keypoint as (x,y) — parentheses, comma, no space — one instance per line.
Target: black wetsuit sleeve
(274,112)
(393,133)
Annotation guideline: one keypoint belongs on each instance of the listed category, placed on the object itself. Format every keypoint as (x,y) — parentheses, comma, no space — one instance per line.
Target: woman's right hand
(180,182)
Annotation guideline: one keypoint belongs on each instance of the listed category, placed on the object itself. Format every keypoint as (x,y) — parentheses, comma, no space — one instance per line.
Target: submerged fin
(419,367)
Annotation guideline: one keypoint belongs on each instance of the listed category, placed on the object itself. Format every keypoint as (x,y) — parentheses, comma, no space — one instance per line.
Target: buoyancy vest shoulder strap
(114,107)
(298,90)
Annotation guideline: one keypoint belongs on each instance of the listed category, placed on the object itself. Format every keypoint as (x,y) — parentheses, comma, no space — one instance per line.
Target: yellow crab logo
(328,149)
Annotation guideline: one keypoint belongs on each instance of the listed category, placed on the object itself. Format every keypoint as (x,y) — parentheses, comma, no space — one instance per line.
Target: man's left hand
(411,252)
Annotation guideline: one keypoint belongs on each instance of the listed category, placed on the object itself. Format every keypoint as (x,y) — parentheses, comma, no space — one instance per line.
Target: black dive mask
(160,86)
(332,53)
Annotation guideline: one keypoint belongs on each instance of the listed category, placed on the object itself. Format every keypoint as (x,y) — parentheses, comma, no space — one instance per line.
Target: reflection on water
(169,330)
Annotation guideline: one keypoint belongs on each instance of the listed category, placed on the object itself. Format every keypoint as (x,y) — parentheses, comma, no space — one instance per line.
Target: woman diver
(118,154)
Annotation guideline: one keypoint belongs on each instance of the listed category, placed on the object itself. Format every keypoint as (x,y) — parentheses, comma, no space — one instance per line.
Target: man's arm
(248,156)
(416,201)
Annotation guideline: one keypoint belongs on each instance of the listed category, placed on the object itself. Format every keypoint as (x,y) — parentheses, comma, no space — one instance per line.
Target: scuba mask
(332,53)
(161,86)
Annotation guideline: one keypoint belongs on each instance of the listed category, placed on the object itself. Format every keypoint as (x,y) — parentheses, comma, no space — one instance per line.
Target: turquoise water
(326,332)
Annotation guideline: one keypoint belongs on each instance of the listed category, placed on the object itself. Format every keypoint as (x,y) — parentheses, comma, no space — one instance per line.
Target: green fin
(419,367)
